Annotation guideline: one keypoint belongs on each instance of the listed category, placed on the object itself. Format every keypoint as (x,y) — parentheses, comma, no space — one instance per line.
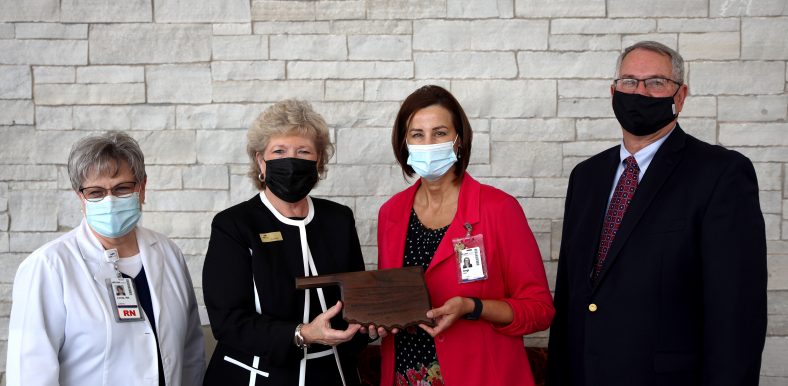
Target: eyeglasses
(651,84)
(95,193)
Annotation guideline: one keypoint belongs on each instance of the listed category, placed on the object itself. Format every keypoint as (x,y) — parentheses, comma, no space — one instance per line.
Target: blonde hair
(288,117)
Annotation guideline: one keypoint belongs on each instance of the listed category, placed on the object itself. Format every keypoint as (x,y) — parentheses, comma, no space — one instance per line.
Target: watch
(298,339)
(477,310)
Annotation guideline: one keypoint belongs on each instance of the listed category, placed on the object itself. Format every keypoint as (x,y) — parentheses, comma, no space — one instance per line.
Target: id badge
(471,262)
(123,294)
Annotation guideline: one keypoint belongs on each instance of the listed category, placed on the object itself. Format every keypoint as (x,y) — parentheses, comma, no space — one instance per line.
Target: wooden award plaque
(387,298)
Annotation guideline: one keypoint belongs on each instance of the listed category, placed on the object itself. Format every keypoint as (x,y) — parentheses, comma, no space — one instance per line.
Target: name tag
(271,237)
(471,261)
(123,294)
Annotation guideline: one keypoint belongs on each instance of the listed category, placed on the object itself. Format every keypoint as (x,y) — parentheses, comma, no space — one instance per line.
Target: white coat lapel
(153,263)
(93,255)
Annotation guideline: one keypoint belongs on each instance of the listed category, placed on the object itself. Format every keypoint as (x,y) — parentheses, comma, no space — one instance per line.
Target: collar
(287,220)
(646,154)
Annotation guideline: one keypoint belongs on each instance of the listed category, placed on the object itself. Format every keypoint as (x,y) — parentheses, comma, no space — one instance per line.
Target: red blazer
(476,352)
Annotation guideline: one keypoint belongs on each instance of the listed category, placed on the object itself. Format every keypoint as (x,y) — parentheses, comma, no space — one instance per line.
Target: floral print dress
(415,361)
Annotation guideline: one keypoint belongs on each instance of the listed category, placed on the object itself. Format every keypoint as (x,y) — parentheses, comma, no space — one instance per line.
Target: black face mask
(290,179)
(643,115)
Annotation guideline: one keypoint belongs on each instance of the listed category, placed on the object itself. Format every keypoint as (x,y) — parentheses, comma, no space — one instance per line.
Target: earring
(260,177)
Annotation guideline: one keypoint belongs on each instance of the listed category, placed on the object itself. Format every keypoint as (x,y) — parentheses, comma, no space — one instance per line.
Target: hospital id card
(471,261)
(124,298)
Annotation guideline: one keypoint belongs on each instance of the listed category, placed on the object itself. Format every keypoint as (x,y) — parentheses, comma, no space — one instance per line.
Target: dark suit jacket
(236,256)
(682,297)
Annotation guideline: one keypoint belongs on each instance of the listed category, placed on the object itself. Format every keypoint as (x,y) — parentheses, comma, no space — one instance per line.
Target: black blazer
(228,288)
(682,297)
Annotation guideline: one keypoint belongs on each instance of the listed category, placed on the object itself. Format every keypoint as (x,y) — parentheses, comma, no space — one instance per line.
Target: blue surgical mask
(432,161)
(112,216)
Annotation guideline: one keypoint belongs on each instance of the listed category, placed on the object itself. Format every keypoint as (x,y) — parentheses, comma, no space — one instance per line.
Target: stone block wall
(186,78)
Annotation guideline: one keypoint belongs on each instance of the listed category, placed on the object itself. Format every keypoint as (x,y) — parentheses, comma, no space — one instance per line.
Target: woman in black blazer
(268,332)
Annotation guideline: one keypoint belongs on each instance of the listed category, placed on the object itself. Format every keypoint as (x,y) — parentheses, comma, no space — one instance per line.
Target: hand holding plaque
(388,298)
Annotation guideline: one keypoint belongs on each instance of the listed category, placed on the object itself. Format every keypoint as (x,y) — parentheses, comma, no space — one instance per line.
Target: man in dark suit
(662,269)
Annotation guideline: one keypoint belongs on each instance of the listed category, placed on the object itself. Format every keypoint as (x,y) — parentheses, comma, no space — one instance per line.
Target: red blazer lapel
(397,228)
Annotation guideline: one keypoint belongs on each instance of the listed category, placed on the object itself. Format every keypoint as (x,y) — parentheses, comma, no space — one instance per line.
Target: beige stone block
(525,98)
(340,10)
(263,10)
(15,82)
(34,10)
(372,27)
(296,27)
(201,11)
(611,42)
(526,159)
(753,134)
(344,90)
(397,89)
(474,9)
(710,46)
(349,70)
(184,83)
(150,43)
(17,112)
(111,74)
(47,74)
(248,70)
(245,47)
(308,47)
(480,35)
(379,47)
(736,78)
(44,52)
(764,38)
(106,11)
(532,130)
(54,118)
(141,117)
(266,91)
(592,64)
(647,8)
(602,26)
(89,94)
(406,9)
(559,8)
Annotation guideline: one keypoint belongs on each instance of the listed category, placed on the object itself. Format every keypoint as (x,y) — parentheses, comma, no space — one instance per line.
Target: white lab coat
(63,330)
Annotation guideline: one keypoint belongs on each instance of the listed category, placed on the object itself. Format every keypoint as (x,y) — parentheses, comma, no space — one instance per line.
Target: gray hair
(288,117)
(676,61)
(103,155)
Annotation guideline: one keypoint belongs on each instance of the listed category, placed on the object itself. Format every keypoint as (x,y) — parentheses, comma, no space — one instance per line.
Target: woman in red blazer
(483,308)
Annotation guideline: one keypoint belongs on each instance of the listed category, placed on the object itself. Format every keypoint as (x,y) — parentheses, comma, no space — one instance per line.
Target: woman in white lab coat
(70,324)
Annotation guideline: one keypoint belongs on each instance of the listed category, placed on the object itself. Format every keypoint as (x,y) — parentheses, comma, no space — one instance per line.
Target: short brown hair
(288,117)
(427,96)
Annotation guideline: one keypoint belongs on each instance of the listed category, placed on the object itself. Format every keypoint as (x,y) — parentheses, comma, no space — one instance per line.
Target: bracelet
(477,310)
(298,339)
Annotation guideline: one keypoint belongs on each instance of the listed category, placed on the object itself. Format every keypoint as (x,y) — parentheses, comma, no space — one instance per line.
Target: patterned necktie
(622,196)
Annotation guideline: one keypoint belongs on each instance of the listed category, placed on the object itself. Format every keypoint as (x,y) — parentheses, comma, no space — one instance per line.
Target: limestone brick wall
(186,77)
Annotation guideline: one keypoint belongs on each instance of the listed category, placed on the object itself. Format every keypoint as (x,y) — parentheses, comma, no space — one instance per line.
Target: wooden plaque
(387,298)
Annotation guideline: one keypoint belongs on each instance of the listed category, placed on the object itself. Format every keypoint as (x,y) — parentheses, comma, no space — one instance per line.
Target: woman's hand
(447,314)
(379,332)
(319,330)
